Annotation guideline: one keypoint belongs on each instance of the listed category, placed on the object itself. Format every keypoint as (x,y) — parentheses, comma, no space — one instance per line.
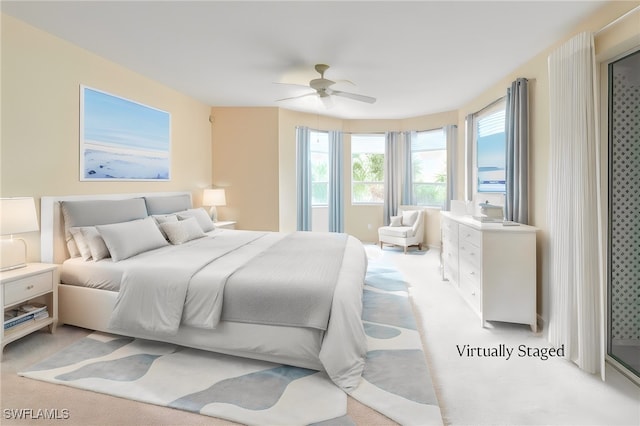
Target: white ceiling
(415,57)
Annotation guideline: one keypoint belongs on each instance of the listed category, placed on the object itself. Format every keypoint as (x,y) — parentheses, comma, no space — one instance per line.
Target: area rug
(396,381)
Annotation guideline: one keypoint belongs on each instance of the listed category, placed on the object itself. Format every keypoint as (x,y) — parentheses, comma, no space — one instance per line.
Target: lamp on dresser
(17,216)
(214,198)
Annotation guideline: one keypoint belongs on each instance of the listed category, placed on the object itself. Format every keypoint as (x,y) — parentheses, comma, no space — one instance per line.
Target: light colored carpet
(523,390)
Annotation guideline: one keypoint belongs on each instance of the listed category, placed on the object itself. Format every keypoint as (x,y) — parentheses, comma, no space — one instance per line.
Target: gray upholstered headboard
(53,247)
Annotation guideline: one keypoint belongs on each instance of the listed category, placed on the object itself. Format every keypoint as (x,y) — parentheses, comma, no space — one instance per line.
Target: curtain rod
(618,19)
(383,133)
(500,99)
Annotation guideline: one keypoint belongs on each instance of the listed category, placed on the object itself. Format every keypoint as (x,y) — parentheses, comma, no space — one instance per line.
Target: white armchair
(405,230)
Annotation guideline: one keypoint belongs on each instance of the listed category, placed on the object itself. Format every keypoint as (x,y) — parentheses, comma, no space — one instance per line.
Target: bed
(281,297)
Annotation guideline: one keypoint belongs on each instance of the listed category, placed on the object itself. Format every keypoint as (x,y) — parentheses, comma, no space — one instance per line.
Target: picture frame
(122,140)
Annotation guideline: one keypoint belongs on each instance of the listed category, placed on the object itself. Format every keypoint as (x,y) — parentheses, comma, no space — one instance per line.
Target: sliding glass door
(624,213)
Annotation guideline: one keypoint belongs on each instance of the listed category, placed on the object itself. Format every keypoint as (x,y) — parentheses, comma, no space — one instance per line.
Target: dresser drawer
(470,287)
(449,230)
(470,254)
(28,287)
(470,235)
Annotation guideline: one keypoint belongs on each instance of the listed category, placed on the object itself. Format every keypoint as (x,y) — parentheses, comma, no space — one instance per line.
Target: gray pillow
(164,218)
(167,204)
(182,231)
(200,214)
(127,239)
(96,244)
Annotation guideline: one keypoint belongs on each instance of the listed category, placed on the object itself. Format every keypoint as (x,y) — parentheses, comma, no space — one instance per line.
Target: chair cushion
(409,217)
(396,221)
(396,231)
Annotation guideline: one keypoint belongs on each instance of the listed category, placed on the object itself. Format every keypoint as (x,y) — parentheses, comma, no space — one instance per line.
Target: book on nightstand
(24,316)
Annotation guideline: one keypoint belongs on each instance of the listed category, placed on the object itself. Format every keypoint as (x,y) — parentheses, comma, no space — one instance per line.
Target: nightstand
(225,224)
(36,284)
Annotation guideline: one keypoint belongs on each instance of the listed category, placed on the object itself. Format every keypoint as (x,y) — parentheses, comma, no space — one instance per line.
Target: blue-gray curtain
(392,175)
(407,169)
(517,140)
(468,157)
(336,182)
(451,137)
(303,178)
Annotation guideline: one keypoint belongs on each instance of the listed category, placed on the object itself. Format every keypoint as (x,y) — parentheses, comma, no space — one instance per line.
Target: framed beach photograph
(122,139)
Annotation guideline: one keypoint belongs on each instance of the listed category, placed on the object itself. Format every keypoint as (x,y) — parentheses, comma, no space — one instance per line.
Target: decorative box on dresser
(35,283)
(493,266)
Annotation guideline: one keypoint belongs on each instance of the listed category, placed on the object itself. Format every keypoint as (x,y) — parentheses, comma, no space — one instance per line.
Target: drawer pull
(29,287)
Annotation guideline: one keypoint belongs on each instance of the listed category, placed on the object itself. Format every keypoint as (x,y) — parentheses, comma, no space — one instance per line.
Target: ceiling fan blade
(327,101)
(349,82)
(298,97)
(306,86)
(354,96)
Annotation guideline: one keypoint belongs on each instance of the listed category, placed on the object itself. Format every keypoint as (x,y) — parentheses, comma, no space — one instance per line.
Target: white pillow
(200,214)
(96,244)
(396,221)
(409,217)
(127,239)
(81,243)
(183,231)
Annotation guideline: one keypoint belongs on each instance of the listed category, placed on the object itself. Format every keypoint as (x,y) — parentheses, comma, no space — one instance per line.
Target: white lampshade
(17,215)
(214,197)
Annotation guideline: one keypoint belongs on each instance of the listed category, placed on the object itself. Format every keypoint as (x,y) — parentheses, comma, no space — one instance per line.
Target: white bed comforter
(296,279)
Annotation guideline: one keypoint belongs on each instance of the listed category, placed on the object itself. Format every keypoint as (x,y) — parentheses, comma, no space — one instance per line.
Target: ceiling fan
(322,88)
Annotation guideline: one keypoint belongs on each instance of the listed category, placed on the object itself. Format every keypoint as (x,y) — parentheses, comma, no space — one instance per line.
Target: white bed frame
(91,308)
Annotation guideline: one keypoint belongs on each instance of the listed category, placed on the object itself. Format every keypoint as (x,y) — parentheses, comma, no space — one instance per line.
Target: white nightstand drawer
(28,287)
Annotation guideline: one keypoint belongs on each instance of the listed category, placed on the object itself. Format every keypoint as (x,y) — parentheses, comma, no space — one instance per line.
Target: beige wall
(39,155)
(616,38)
(245,162)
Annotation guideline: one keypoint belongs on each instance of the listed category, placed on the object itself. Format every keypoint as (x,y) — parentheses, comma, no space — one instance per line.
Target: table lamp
(213,198)
(17,216)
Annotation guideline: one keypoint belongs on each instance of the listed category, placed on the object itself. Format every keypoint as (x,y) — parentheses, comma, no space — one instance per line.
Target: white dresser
(493,266)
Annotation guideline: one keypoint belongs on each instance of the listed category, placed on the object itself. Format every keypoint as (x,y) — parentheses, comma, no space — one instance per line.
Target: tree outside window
(319,147)
(429,167)
(367,169)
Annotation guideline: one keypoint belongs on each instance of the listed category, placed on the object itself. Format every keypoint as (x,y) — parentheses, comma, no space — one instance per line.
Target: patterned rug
(396,380)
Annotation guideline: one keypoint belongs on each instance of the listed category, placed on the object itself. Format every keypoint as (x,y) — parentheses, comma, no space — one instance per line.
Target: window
(367,169)
(319,147)
(429,167)
(491,149)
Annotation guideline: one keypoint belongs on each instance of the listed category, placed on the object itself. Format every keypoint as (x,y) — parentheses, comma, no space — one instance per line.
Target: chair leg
(405,249)
(380,245)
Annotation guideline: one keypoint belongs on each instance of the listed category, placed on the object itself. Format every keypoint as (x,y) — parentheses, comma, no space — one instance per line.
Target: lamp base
(213,213)
(13,254)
